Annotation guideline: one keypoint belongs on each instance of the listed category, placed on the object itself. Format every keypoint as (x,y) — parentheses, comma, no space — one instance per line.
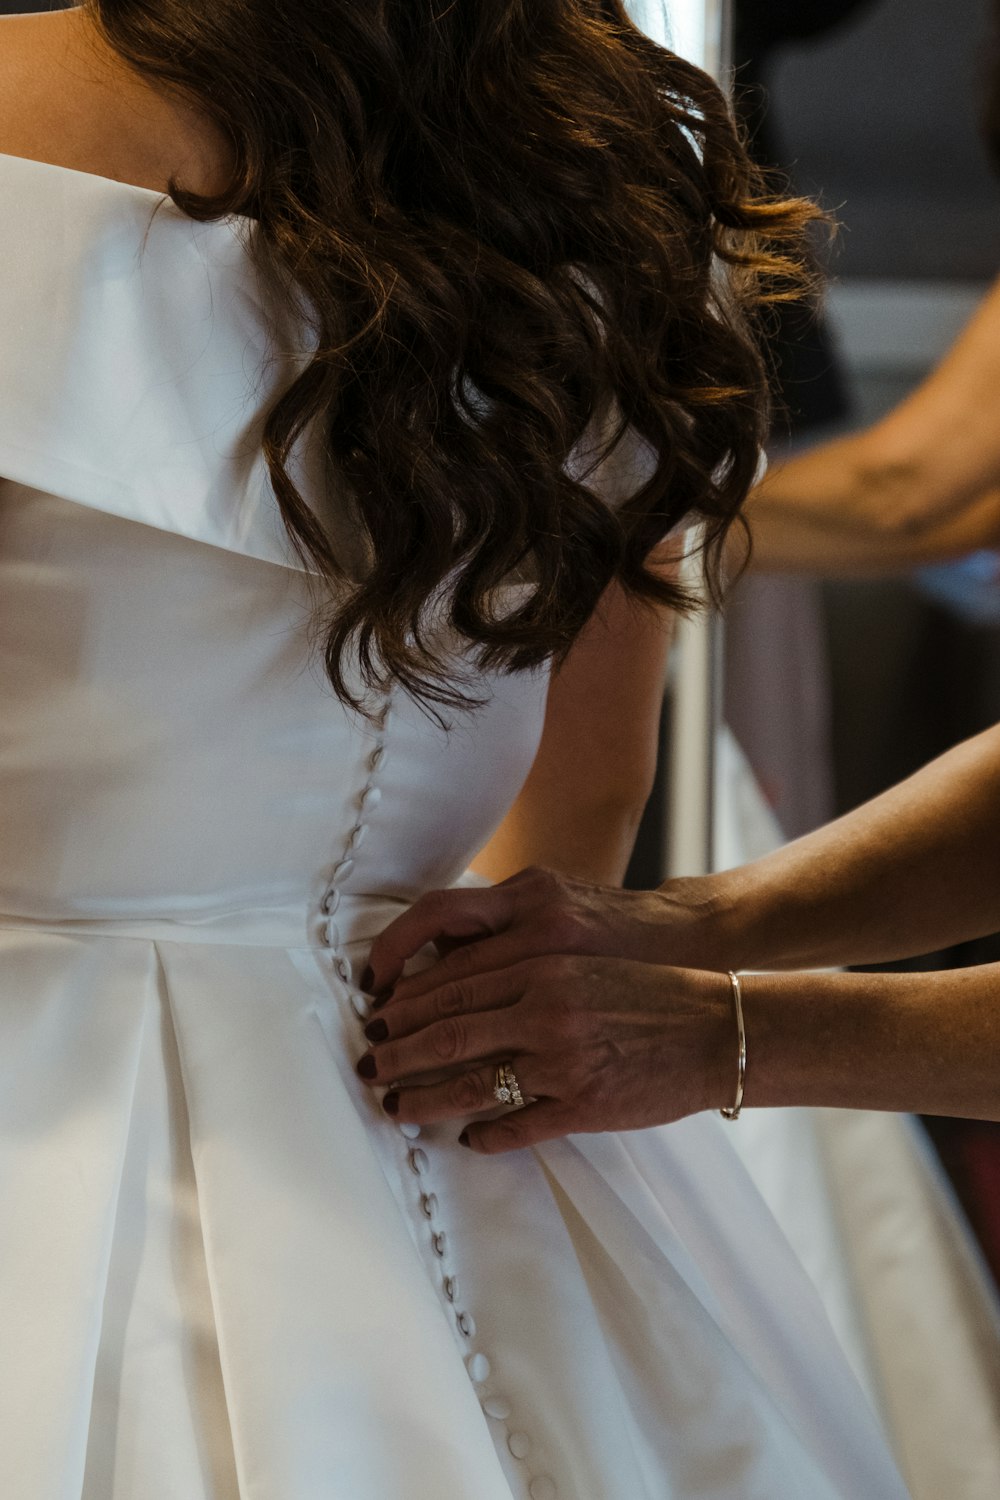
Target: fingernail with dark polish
(376,1031)
(391,1104)
(463,1140)
(367,1067)
(367,979)
(381,998)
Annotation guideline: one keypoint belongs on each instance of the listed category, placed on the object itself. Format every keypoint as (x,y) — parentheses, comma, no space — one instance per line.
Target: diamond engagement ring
(507,1089)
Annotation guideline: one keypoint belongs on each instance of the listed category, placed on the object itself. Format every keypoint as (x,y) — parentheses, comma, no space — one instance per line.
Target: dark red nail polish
(381,998)
(391,1104)
(376,1031)
(368,1067)
(463,1140)
(367,979)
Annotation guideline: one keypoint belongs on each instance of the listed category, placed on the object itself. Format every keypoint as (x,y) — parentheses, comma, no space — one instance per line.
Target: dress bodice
(171,748)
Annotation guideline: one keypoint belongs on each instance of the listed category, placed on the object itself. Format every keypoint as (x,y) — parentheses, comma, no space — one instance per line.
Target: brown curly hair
(513,221)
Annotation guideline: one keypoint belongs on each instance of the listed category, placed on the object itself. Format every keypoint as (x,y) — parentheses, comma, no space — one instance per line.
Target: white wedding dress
(223,1270)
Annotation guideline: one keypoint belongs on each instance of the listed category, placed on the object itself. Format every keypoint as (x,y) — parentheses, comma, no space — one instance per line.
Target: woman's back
(224,1270)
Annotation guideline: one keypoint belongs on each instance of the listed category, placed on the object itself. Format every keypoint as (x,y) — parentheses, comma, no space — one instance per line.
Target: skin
(607,1004)
(67,98)
(580,807)
(922,485)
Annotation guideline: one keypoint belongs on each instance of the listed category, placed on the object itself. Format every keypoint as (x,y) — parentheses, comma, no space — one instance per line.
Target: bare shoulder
(66,98)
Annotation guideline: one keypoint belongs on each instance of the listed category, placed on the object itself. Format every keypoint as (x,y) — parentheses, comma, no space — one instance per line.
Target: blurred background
(874,107)
(875,111)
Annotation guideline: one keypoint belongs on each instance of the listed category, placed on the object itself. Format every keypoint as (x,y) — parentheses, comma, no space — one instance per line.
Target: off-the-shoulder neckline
(114,182)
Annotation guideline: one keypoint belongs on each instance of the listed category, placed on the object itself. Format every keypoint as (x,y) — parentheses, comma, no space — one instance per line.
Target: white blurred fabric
(864,1201)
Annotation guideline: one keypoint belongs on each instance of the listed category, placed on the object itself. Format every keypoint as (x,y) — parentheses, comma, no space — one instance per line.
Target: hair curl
(509,218)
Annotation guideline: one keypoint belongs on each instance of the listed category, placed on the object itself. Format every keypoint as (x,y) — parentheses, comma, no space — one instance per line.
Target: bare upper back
(66,98)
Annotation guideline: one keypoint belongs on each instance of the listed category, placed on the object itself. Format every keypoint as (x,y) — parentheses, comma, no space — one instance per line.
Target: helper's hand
(538,912)
(561,980)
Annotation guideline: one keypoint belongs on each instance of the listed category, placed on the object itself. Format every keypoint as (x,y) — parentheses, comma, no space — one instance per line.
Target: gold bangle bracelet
(737,989)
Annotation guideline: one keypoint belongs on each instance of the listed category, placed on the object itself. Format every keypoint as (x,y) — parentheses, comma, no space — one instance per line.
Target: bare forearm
(803,541)
(921,1043)
(911,871)
(898,484)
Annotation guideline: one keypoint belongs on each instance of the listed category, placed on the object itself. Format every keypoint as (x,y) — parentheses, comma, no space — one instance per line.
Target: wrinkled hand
(539,912)
(597,1041)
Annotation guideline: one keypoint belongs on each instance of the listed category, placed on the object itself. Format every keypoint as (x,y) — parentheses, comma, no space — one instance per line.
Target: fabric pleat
(71,1026)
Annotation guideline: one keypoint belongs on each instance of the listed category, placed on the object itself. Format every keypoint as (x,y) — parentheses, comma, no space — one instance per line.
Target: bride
(497,267)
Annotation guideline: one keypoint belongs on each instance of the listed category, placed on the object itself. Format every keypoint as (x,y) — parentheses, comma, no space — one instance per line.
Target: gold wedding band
(507,1090)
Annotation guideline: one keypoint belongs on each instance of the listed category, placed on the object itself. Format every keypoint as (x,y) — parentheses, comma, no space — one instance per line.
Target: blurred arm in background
(922,485)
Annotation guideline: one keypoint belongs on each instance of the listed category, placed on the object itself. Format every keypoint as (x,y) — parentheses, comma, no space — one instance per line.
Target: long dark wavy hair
(509,219)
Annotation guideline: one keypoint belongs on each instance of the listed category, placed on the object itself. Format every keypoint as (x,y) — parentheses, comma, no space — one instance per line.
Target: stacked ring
(507,1090)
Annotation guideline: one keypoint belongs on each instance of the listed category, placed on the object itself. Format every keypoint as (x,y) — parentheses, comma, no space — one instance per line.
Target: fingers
(465,964)
(543,1121)
(440,916)
(545,912)
(493,990)
(468,1093)
(447,1043)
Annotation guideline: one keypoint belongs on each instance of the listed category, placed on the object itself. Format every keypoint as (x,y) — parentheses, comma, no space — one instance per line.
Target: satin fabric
(223,1270)
(868,1209)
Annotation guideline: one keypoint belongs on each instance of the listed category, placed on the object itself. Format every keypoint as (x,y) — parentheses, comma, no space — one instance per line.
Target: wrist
(706,922)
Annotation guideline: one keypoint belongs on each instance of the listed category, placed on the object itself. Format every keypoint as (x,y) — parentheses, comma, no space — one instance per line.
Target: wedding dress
(223,1270)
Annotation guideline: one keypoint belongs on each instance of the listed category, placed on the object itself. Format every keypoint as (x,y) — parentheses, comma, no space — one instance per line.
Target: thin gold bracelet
(737,988)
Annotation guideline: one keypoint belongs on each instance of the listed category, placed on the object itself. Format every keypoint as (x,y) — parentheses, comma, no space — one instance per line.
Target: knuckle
(546,885)
(565,927)
(448,1039)
(468,1094)
(448,1002)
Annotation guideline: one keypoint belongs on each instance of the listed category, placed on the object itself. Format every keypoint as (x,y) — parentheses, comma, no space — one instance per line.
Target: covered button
(519,1444)
(542,1488)
(498,1407)
(478,1367)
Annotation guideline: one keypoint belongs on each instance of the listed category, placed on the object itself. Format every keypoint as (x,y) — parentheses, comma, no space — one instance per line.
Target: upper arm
(602,720)
(580,807)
